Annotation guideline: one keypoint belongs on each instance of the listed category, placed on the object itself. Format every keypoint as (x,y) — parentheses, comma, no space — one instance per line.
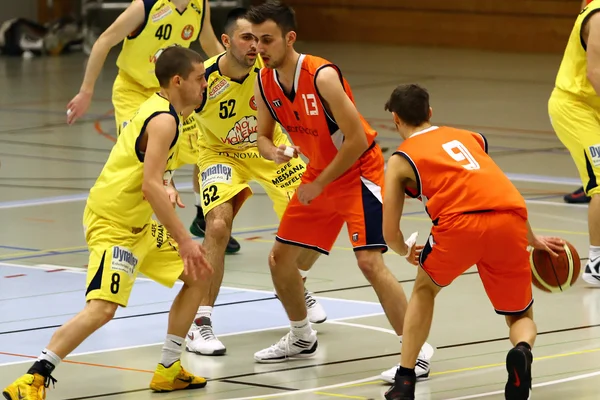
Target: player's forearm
(158,198)
(95,64)
(266,148)
(395,241)
(350,151)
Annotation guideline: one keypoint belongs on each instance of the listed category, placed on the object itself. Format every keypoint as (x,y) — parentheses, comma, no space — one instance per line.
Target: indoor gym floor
(47,168)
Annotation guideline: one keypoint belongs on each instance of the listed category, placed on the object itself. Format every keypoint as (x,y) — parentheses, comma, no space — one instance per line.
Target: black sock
(199,213)
(406,372)
(42,367)
(524,344)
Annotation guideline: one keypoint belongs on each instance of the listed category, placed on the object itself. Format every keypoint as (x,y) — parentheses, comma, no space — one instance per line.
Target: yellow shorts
(577,125)
(118,254)
(226,175)
(128,96)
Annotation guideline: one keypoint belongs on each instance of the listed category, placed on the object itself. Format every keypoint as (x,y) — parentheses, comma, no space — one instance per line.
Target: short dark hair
(283,15)
(175,60)
(411,103)
(232,17)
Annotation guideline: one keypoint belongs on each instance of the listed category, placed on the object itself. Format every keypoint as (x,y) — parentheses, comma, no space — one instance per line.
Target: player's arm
(593,51)
(161,132)
(346,115)
(208,40)
(265,126)
(397,173)
(125,23)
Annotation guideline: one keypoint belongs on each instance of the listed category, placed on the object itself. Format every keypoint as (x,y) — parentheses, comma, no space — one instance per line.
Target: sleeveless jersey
(455,175)
(117,194)
(303,114)
(572,73)
(228,111)
(163,26)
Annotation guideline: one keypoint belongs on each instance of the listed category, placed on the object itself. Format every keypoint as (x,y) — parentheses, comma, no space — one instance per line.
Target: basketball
(555,274)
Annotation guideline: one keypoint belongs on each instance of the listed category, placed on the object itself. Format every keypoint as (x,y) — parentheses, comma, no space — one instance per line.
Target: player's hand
(411,245)
(279,156)
(307,192)
(78,106)
(194,263)
(174,197)
(550,244)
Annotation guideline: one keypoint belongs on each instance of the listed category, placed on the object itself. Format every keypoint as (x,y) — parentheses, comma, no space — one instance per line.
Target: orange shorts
(355,198)
(496,242)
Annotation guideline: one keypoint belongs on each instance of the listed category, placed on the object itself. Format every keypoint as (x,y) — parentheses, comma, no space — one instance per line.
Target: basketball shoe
(518,366)
(289,347)
(28,387)
(174,378)
(422,368)
(202,339)
(591,273)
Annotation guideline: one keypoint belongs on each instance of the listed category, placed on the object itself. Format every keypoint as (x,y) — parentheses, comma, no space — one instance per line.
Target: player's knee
(370,263)
(100,312)
(218,228)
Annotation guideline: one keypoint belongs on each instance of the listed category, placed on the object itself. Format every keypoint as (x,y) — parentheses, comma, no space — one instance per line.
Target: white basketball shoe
(591,273)
(202,340)
(422,367)
(289,347)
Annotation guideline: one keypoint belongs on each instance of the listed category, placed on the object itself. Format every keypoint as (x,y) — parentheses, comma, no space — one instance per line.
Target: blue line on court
(145,319)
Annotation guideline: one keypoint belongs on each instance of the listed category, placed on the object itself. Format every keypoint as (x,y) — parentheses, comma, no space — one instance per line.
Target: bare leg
(389,291)
(419,316)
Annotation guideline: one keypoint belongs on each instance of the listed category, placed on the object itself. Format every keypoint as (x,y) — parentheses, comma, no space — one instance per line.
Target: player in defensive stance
(474,223)
(342,184)
(146,27)
(229,159)
(124,240)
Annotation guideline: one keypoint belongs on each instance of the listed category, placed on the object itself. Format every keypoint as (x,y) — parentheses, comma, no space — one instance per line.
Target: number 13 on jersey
(460,153)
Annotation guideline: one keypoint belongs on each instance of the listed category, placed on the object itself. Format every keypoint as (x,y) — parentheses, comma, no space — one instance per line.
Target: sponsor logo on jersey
(217,88)
(301,129)
(277,103)
(187,32)
(163,11)
(243,132)
(595,154)
(123,260)
(288,175)
(253,103)
(216,173)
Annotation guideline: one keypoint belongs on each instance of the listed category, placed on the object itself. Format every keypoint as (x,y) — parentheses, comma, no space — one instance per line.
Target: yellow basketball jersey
(227,115)
(163,26)
(572,74)
(117,194)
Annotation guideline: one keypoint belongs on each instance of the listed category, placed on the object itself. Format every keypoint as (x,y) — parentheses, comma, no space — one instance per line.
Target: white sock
(594,252)
(204,311)
(301,329)
(197,196)
(50,357)
(172,349)
(303,273)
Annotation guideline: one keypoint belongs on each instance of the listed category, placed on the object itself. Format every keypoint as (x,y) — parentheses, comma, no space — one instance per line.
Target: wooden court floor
(47,168)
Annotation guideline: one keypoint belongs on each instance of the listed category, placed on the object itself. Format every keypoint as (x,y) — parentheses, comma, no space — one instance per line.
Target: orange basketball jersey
(303,114)
(455,175)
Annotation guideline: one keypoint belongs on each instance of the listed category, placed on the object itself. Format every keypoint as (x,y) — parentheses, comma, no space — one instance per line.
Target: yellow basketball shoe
(28,387)
(174,378)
